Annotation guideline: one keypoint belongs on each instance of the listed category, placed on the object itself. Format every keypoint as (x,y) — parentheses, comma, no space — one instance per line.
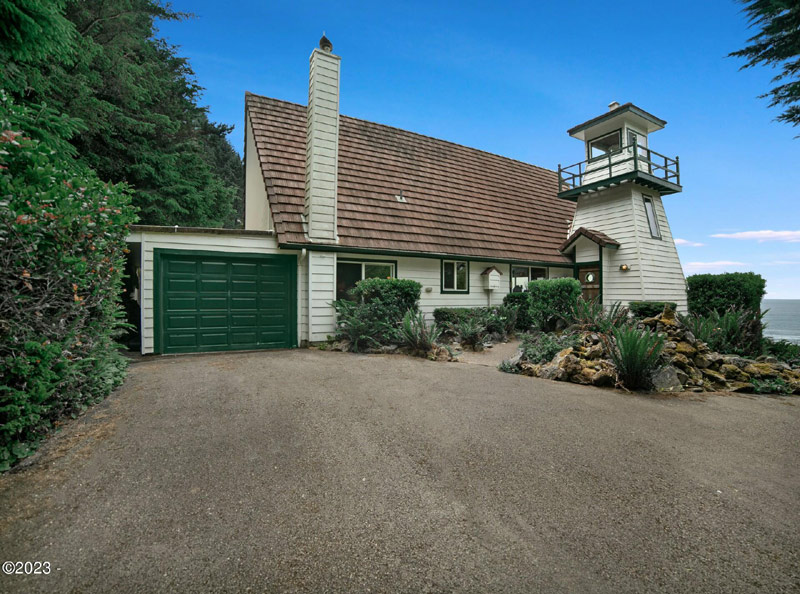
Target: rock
(604,378)
(740,387)
(701,361)
(689,337)
(681,361)
(532,369)
(684,348)
(650,322)
(594,352)
(740,362)
(563,366)
(761,370)
(670,346)
(733,373)
(516,359)
(715,358)
(766,359)
(682,377)
(715,377)
(666,380)
(388,348)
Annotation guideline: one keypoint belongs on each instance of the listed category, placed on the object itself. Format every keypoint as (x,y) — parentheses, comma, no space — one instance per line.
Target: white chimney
(613,105)
(322,144)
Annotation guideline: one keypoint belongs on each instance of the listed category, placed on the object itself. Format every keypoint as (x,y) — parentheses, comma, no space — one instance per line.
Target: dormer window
(605,144)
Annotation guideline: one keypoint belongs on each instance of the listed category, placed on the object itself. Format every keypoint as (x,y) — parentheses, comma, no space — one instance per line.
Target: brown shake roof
(458,200)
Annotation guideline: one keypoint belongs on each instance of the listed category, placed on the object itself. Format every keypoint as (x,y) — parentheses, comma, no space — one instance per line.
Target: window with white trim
(522,275)
(609,143)
(652,220)
(455,276)
(349,272)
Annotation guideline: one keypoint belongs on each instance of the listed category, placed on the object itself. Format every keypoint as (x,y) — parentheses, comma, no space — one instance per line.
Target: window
(641,149)
(348,273)
(650,209)
(605,145)
(455,276)
(522,275)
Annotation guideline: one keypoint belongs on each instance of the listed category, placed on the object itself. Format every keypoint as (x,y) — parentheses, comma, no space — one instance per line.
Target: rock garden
(647,346)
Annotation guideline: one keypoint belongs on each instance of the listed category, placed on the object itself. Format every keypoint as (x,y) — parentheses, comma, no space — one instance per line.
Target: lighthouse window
(650,209)
(605,144)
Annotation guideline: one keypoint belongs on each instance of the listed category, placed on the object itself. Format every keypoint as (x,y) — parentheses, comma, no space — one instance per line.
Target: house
(330,200)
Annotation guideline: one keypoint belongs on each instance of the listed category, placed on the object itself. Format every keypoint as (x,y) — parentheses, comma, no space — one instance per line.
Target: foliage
(62,233)
(471,332)
(783,350)
(507,367)
(771,386)
(635,354)
(362,325)
(133,98)
(719,292)
(776,44)
(415,332)
(522,303)
(449,316)
(393,296)
(551,300)
(501,320)
(736,331)
(593,316)
(649,309)
(541,347)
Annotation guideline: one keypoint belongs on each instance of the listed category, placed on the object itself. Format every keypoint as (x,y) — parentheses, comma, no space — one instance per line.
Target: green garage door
(213,301)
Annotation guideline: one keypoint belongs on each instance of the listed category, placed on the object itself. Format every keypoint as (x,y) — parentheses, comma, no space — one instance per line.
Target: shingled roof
(457,200)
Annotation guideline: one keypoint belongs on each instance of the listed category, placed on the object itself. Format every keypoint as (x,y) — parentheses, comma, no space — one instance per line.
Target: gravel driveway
(327,472)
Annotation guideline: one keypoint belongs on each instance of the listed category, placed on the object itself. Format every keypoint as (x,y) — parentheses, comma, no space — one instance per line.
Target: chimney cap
(325,44)
(613,105)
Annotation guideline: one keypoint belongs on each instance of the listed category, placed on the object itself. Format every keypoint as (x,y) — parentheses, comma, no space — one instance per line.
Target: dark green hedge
(720,292)
(394,296)
(62,233)
(649,309)
(551,300)
(522,303)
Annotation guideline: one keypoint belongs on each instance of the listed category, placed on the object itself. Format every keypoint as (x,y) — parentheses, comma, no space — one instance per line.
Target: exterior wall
(256,204)
(322,147)
(149,241)
(426,271)
(586,250)
(655,270)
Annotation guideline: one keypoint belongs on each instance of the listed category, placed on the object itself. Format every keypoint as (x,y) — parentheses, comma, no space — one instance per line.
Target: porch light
(624,267)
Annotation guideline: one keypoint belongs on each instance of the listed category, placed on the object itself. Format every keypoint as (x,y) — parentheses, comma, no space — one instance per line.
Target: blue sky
(510,78)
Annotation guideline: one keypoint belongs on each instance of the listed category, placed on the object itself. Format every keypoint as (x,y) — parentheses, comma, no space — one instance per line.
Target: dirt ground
(328,472)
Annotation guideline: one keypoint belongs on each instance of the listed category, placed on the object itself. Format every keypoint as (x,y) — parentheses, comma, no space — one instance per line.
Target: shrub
(551,300)
(62,232)
(363,325)
(635,354)
(415,333)
(592,316)
(522,303)
(471,332)
(450,316)
(392,296)
(782,350)
(501,320)
(507,367)
(735,331)
(649,309)
(771,386)
(719,292)
(541,347)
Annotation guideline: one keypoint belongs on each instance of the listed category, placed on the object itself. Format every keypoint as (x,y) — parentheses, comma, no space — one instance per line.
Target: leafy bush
(471,332)
(783,350)
(635,354)
(363,325)
(506,367)
(415,333)
(735,331)
(392,296)
(541,347)
(522,303)
(593,316)
(551,300)
(450,316)
(771,386)
(720,292)
(649,309)
(62,232)
(501,320)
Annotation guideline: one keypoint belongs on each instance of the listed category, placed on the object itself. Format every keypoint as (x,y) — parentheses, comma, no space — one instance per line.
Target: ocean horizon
(782,319)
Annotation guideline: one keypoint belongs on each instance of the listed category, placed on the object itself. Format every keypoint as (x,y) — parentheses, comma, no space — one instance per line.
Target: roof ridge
(419,134)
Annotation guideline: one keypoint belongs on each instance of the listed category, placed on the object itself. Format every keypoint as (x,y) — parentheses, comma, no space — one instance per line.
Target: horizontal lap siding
(184,241)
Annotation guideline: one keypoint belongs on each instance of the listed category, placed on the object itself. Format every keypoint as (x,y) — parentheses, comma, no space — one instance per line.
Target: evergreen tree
(777,44)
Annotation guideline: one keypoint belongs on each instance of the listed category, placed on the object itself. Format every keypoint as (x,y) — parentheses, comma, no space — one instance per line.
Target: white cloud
(761,236)
(718,266)
(686,242)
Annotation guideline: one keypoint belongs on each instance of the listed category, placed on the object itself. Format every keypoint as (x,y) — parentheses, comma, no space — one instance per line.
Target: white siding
(655,272)
(256,204)
(321,271)
(149,241)
(586,250)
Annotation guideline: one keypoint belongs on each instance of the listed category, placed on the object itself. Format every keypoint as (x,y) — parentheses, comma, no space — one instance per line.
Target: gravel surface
(329,472)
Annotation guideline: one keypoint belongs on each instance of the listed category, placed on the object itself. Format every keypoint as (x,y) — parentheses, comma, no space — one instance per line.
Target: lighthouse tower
(620,238)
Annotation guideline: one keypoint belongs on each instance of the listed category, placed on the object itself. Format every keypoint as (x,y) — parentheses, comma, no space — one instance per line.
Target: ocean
(782,319)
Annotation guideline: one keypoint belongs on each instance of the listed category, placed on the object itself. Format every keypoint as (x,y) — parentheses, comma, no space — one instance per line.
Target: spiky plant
(414,332)
(635,354)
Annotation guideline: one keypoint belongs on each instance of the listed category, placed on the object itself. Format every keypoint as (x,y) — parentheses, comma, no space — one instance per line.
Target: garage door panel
(225,301)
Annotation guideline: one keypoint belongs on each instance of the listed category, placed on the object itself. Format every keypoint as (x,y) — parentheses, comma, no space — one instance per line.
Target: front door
(590,282)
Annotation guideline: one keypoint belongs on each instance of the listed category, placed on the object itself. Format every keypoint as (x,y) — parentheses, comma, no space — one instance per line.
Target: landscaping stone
(666,380)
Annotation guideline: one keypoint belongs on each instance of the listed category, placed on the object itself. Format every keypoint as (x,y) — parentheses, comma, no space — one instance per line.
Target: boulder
(604,378)
(701,361)
(715,377)
(733,373)
(681,361)
(761,370)
(666,380)
(684,348)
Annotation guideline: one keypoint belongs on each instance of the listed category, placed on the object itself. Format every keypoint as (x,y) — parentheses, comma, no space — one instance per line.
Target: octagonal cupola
(617,150)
